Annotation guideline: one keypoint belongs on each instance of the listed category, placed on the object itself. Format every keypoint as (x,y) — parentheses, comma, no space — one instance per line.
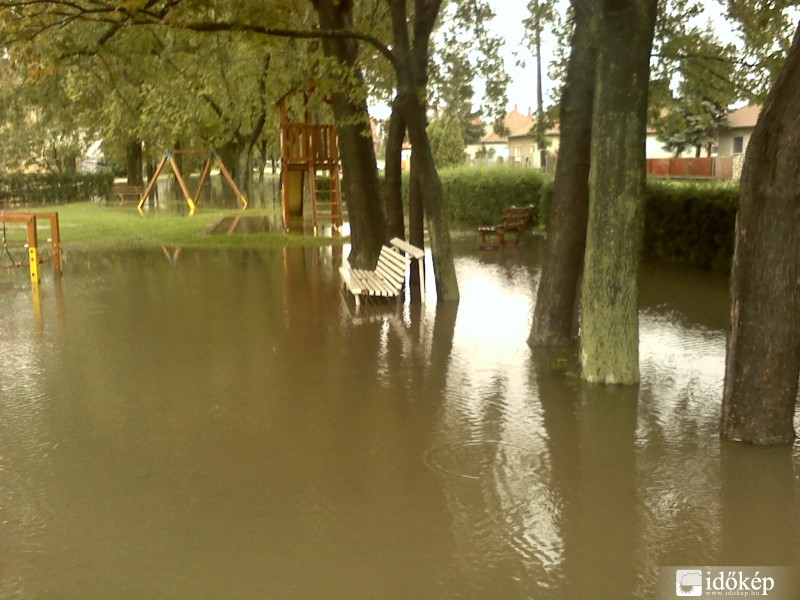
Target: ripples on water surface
(219,426)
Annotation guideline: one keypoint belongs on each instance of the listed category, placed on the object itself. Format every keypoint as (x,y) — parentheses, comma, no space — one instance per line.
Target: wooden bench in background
(515,219)
(127,191)
(389,275)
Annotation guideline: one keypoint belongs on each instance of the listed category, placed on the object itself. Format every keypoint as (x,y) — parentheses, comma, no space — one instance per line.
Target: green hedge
(53,188)
(476,196)
(691,223)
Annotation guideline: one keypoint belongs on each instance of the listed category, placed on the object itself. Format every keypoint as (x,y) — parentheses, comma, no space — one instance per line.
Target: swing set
(191,201)
(32,245)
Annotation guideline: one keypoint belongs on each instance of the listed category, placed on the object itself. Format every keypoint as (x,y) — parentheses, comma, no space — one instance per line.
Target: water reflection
(218,424)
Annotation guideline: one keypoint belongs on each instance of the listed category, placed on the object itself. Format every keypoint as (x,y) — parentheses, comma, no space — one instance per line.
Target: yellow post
(33,250)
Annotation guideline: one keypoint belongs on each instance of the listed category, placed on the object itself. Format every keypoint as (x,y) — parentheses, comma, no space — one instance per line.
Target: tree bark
(134,162)
(411,70)
(610,290)
(557,295)
(359,166)
(393,175)
(763,358)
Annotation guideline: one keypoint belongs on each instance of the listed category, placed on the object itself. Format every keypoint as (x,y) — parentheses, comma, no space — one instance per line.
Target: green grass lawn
(90,226)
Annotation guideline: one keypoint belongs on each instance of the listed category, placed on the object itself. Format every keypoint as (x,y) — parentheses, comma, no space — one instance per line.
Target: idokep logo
(688,582)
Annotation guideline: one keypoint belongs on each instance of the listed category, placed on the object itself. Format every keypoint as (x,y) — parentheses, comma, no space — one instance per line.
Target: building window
(532,150)
(738,144)
(518,152)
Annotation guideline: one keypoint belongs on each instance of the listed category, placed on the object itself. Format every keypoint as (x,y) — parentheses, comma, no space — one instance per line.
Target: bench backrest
(517,216)
(392,266)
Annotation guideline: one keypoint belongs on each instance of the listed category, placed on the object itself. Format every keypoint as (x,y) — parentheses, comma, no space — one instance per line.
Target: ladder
(326,195)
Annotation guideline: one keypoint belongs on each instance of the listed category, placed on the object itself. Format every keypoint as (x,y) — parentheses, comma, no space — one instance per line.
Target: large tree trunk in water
(412,79)
(134,162)
(393,175)
(763,358)
(610,290)
(359,167)
(557,295)
(426,179)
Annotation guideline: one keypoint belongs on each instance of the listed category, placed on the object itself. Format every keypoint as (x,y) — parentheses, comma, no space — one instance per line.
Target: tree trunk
(416,224)
(610,290)
(426,177)
(393,175)
(411,70)
(244,168)
(763,358)
(134,162)
(557,295)
(359,166)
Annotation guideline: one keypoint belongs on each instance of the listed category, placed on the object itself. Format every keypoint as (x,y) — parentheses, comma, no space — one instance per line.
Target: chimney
(529,111)
(515,107)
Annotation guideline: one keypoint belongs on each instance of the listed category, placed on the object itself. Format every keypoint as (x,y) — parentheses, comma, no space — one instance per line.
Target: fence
(710,167)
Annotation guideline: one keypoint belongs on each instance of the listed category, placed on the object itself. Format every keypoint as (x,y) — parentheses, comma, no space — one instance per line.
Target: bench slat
(392,277)
(392,270)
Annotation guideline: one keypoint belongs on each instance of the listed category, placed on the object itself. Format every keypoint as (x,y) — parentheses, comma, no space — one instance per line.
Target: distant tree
(456,66)
(681,131)
(765,28)
(447,142)
(704,68)
(39,130)
(542,14)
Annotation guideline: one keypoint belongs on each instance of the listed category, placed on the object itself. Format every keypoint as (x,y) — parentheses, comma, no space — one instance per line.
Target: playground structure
(34,259)
(309,158)
(191,201)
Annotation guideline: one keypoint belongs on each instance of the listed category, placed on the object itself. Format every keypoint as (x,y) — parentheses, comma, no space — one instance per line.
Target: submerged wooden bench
(127,191)
(515,219)
(389,275)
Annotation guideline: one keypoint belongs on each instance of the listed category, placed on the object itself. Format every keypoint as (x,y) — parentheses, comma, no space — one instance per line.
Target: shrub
(477,196)
(691,223)
(53,188)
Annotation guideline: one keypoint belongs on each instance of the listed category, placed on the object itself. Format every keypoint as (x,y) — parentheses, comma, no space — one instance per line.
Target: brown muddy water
(211,424)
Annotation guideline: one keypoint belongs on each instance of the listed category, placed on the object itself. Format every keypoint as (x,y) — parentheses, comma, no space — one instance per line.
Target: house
(523,149)
(654,147)
(495,147)
(734,138)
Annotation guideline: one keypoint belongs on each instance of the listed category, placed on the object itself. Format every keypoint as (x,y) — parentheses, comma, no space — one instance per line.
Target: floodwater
(218,424)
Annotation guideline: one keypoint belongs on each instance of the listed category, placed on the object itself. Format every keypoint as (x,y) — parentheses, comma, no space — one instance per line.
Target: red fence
(719,167)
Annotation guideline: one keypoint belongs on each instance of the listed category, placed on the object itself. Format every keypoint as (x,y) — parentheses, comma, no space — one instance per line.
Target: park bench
(387,279)
(127,191)
(515,219)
